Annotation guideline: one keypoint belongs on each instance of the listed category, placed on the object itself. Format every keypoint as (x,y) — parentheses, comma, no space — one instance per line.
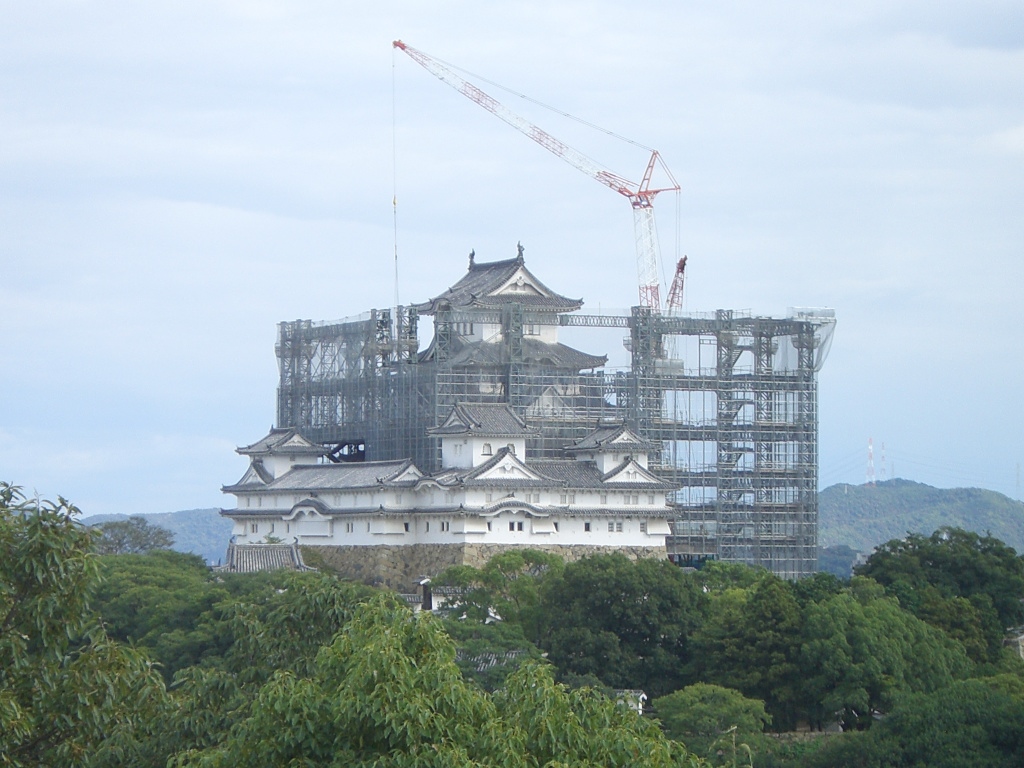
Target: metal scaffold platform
(732,416)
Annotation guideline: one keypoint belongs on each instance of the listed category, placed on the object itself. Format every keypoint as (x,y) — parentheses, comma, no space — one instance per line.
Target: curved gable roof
(282,440)
(483,420)
(497,284)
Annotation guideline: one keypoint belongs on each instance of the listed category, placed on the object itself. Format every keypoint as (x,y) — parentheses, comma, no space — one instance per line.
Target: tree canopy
(626,622)
(704,716)
(387,692)
(968,585)
(65,687)
(133,536)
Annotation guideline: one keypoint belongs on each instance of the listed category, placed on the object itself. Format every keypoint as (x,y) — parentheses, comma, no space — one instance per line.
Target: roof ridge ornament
(519,251)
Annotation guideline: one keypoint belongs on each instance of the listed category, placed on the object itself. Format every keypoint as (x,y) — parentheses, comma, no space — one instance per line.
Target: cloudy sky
(176,178)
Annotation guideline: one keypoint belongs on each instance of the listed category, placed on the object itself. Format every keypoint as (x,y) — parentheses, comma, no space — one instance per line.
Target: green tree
(968,723)
(65,687)
(167,603)
(707,717)
(133,536)
(861,654)
(488,653)
(508,586)
(751,642)
(387,692)
(626,622)
(928,574)
(268,624)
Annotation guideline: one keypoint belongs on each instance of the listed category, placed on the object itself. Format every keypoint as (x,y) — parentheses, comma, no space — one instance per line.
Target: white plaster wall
(456,452)
(362,530)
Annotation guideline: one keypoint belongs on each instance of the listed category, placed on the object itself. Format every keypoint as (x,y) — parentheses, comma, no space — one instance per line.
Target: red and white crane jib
(640,196)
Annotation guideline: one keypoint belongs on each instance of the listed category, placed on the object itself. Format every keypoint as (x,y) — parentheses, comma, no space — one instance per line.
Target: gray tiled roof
(472,475)
(255,478)
(568,473)
(275,438)
(535,352)
(252,558)
(357,474)
(650,483)
(484,278)
(602,438)
(485,420)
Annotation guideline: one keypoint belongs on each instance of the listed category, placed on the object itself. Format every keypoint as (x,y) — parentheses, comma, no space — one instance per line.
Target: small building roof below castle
(254,558)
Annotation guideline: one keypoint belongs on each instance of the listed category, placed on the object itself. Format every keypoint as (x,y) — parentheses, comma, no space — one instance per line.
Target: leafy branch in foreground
(64,686)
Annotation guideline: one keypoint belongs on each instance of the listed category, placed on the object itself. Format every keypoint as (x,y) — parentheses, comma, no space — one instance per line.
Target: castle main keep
(724,403)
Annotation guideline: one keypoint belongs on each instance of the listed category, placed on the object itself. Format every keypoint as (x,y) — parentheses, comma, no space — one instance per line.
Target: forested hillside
(863,516)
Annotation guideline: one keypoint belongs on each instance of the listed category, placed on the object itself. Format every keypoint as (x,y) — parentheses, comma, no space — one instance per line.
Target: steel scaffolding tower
(733,417)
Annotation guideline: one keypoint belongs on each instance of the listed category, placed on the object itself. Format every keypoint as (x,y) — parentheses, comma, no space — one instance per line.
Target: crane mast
(641,196)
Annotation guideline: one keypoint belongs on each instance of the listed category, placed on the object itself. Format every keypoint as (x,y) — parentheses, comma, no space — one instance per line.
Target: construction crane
(640,195)
(675,293)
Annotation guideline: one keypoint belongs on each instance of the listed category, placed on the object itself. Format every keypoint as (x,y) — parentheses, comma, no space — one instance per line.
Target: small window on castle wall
(488,525)
(488,497)
(650,498)
(519,526)
(406,525)
(428,526)
(586,527)
(254,528)
(618,527)
(512,526)
(643,526)
(611,527)
(487,450)
(604,498)
(556,527)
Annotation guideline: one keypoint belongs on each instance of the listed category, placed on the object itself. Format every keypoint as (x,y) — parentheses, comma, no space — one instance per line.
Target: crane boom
(641,196)
(675,293)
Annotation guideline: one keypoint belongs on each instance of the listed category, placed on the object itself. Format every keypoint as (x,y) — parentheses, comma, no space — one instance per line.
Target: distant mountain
(200,531)
(864,516)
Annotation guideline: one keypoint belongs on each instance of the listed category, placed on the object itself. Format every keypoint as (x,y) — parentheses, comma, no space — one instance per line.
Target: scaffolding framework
(732,413)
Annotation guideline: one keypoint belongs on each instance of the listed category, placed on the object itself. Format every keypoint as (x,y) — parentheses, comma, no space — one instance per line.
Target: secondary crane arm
(675,293)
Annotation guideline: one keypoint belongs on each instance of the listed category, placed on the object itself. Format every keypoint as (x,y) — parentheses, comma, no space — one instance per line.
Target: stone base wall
(401,567)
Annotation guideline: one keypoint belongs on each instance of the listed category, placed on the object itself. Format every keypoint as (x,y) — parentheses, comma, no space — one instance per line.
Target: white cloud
(176,178)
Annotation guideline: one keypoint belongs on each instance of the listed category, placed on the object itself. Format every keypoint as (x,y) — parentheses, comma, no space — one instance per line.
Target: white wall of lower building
(508,527)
